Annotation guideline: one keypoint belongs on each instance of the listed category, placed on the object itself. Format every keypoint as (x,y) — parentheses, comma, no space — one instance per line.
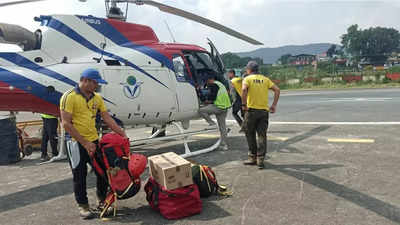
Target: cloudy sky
(273,22)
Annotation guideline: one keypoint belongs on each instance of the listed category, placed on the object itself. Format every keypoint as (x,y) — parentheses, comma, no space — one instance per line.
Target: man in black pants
(78,108)
(236,93)
(49,132)
(255,103)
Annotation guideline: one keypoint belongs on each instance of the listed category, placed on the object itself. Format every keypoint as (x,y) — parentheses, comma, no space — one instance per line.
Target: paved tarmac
(318,174)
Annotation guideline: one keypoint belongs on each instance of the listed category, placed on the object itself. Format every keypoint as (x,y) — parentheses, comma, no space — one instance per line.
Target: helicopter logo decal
(131,88)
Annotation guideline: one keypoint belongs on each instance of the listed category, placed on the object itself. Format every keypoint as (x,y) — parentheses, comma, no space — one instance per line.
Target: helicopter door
(185,91)
(216,57)
(136,97)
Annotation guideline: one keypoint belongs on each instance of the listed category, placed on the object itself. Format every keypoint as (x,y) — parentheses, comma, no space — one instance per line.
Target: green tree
(331,51)
(232,60)
(373,44)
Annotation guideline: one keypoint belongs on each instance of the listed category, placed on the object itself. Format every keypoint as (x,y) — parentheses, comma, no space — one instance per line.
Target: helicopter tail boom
(18,100)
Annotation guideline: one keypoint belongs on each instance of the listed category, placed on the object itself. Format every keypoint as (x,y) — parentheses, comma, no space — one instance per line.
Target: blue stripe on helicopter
(26,63)
(62,28)
(115,35)
(30,86)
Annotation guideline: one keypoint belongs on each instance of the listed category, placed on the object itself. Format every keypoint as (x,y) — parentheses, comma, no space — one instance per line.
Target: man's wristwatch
(244,105)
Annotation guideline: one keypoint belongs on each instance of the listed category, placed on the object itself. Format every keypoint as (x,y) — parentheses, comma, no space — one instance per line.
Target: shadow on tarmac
(298,171)
(40,194)
(146,216)
(29,162)
(365,201)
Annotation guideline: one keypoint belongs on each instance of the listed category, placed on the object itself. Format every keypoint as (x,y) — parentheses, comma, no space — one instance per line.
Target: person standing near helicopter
(255,104)
(217,103)
(236,93)
(49,133)
(79,107)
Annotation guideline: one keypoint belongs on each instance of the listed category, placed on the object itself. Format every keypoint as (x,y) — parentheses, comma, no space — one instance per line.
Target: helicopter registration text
(92,21)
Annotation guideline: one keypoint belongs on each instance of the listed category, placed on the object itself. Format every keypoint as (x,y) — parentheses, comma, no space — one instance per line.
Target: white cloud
(273,22)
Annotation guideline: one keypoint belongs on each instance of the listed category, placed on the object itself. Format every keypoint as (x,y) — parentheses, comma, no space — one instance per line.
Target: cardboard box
(170,170)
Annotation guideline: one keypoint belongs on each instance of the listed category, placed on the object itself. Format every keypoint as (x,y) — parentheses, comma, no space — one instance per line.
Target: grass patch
(337,85)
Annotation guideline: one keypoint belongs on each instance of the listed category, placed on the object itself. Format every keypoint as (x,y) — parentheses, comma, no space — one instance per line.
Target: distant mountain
(271,55)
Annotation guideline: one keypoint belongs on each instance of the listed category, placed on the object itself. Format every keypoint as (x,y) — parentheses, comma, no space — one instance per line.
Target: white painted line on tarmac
(12,182)
(274,138)
(310,123)
(270,138)
(350,140)
(336,123)
(357,99)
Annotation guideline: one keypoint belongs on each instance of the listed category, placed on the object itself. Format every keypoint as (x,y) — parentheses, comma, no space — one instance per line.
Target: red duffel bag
(173,204)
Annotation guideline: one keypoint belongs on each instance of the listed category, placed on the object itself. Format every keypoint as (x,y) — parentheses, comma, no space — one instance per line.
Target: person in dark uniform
(236,93)
(49,133)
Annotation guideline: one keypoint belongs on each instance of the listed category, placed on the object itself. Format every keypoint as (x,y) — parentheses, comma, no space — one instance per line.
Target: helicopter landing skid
(183,135)
(153,138)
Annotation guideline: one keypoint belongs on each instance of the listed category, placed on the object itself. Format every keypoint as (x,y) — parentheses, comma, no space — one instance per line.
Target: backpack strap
(220,189)
(154,190)
(97,167)
(204,174)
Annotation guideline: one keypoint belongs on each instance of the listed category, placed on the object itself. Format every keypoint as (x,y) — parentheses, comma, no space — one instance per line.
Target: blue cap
(93,74)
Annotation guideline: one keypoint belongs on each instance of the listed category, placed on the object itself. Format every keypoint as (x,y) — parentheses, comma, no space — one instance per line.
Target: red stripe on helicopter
(14,99)
(144,35)
(139,34)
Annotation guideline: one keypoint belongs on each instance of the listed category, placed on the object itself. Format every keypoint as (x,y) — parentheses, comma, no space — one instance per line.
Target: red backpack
(122,169)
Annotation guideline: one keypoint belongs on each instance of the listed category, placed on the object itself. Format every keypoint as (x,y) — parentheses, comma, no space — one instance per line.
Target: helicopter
(149,82)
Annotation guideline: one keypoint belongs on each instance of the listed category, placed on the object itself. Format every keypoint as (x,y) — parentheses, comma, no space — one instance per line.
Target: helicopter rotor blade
(18,2)
(196,18)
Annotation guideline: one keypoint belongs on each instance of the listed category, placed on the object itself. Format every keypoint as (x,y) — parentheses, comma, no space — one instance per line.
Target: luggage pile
(170,189)
(176,185)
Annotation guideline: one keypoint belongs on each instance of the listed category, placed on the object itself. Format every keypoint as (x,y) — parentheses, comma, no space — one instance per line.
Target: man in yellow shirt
(255,103)
(236,92)
(78,109)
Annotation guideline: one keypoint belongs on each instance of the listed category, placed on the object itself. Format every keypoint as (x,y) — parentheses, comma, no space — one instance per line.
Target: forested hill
(271,55)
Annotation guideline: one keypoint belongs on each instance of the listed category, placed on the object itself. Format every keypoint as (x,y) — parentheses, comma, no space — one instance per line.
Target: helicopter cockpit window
(180,68)
(207,60)
(202,64)
(196,62)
